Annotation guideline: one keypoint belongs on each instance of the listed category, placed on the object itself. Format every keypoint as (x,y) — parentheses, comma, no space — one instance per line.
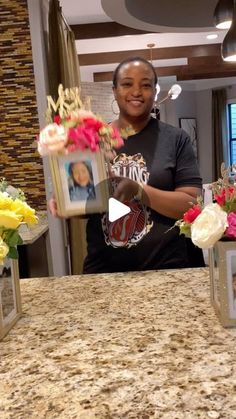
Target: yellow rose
(4,249)
(25,211)
(9,219)
(5,200)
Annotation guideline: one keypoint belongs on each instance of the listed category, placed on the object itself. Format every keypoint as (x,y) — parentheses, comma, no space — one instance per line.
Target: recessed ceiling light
(212,36)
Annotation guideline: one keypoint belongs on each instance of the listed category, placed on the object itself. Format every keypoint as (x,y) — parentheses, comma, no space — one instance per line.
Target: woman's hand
(52,205)
(126,189)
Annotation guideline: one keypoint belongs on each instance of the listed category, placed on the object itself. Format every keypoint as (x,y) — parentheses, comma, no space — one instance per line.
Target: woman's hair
(131,60)
(70,169)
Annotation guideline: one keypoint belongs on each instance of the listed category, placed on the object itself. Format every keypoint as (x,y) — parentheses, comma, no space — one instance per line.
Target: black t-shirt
(171,163)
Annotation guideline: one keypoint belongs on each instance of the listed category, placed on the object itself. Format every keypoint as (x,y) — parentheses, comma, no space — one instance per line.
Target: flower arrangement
(74,128)
(13,212)
(78,131)
(205,225)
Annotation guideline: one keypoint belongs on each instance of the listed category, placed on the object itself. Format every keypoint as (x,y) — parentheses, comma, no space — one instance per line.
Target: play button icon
(116,209)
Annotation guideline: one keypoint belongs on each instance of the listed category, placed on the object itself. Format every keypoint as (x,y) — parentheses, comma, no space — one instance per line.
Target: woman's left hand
(126,189)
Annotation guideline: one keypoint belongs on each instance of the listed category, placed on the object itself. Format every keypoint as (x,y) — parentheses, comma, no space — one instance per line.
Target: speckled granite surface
(138,345)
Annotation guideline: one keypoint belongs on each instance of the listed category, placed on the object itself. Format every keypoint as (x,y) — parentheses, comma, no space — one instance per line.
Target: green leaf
(185,229)
(13,253)
(12,238)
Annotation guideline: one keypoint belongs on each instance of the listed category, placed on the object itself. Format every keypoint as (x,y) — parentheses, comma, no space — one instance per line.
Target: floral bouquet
(13,212)
(78,131)
(73,128)
(205,225)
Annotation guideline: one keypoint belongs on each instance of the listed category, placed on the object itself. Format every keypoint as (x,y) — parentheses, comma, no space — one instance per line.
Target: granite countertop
(30,234)
(131,346)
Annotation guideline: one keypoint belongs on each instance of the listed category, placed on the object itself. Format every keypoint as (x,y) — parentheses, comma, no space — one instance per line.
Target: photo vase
(10,301)
(80,183)
(222,263)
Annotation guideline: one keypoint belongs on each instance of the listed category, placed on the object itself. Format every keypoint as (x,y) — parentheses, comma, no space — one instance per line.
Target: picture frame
(80,183)
(222,264)
(189,125)
(10,298)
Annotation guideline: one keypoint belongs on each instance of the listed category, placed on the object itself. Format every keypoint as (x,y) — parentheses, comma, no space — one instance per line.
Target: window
(232,132)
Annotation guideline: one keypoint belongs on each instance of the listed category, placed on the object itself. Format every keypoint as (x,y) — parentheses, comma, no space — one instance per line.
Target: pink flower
(81,138)
(192,213)
(221,198)
(92,123)
(57,119)
(231,230)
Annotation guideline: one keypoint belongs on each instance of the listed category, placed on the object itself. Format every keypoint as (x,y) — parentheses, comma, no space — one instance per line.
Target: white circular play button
(116,209)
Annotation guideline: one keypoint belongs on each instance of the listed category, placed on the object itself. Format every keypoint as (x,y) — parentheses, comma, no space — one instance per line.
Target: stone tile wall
(19,125)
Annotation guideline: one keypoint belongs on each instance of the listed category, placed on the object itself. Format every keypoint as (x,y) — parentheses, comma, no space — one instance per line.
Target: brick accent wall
(19,125)
(101,99)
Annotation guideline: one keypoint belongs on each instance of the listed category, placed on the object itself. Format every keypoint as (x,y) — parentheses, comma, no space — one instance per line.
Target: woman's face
(135,90)
(80,174)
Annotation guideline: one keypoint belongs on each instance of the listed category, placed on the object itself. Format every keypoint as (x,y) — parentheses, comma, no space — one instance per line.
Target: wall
(101,99)
(231,92)
(204,120)
(183,107)
(38,14)
(19,125)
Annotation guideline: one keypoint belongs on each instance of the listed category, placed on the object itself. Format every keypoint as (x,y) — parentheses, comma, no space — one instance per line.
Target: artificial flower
(9,219)
(231,229)
(5,201)
(192,213)
(13,212)
(25,212)
(75,128)
(209,226)
(52,139)
(4,249)
(206,225)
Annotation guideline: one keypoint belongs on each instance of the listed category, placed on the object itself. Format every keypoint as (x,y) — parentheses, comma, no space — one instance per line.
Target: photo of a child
(80,181)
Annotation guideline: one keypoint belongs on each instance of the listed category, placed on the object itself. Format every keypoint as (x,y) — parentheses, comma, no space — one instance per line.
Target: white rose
(52,139)
(209,226)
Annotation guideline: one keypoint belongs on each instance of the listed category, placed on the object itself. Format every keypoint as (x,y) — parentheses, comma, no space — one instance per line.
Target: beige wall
(101,99)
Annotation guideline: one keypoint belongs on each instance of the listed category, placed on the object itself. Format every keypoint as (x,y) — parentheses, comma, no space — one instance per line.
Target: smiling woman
(144,239)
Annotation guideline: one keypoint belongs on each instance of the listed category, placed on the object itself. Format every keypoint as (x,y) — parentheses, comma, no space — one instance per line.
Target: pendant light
(174,91)
(228,47)
(223,14)
(151,46)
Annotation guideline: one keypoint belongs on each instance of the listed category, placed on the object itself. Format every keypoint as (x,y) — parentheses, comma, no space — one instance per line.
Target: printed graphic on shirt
(128,230)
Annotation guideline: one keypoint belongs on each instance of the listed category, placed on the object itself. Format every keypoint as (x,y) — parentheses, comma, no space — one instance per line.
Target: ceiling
(108,31)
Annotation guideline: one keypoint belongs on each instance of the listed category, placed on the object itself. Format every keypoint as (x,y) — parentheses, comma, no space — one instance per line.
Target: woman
(159,169)
(80,182)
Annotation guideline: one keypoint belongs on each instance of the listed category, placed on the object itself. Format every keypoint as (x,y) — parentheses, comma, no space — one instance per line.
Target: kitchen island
(136,345)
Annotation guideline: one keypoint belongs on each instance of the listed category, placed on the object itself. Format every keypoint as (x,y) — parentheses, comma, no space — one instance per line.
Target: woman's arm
(172,204)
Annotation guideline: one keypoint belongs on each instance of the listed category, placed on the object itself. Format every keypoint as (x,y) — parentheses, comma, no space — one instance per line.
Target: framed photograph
(222,262)
(10,301)
(189,125)
(80,183)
